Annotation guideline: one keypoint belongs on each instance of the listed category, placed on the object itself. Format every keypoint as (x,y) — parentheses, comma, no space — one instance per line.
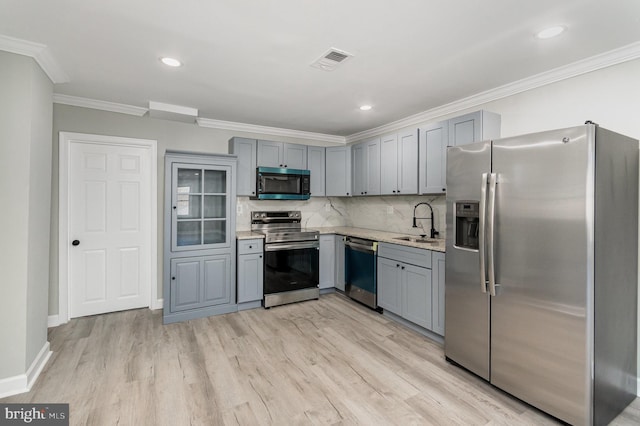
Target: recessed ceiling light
(551,32)
(365,107)
(171,62)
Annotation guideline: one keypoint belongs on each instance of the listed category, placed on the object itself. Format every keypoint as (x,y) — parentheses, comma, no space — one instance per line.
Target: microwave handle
(258,183)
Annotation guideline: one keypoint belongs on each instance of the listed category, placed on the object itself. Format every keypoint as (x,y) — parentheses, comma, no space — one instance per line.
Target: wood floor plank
(325,362)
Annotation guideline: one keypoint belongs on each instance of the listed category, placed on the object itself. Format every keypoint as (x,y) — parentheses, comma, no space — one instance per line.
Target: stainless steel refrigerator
(541,268)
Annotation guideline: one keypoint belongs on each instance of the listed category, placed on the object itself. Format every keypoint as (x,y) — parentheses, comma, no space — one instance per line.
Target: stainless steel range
(291,257)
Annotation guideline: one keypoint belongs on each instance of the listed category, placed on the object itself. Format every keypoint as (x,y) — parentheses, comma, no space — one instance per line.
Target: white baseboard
(53,321)
(638,387)
(13,385)
(157,304)
(23,382)
(38,364)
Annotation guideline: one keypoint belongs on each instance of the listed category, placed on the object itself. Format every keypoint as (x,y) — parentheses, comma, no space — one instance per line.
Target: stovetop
(281,226)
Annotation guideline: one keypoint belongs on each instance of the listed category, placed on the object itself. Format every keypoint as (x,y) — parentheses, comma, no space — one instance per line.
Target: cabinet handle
(174,207)
(398,191)
(365,192)
(253,192)
(75,243)
(402,267)
(397,265)
(285,165)
(347,193)
(394,191)
(280,165)
(250,246)
(444,189)
(173,278)
(260,256)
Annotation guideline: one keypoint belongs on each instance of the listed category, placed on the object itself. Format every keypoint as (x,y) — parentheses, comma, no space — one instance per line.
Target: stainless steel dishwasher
(360,264)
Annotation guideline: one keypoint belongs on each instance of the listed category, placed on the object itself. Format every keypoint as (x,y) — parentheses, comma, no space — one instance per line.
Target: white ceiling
(248,61)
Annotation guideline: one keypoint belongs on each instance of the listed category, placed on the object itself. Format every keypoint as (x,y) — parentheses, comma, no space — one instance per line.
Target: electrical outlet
(327,207)
(389,209)
(239,209)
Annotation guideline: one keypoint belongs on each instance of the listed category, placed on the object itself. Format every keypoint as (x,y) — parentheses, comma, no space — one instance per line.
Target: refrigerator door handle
(491,212)
(481,232)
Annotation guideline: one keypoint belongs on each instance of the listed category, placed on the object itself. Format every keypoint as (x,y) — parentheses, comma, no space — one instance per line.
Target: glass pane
(214,231)
(189,206)
(279,184)
(214,206)
(188,233)
(189,181)
(215,181)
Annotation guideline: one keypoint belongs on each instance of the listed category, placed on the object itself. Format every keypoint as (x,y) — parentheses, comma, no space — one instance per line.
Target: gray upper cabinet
(474,127)
(366,167)
(316,165)
(280,154)
(389,164)
(399,163)
(199,236)
(295,156)
(247,152)
(270,154)
(434,138)
(338,171)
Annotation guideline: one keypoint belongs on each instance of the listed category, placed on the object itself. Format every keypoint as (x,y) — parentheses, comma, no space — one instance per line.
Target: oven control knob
(297,214)
(263,215)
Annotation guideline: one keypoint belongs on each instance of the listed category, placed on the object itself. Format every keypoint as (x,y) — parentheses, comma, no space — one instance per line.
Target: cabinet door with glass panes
(200,210)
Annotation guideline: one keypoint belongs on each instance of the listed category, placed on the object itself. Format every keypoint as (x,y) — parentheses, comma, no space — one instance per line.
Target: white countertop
(370,234)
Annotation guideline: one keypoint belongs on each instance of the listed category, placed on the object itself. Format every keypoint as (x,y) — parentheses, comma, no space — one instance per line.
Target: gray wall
(169,134)
(25,188)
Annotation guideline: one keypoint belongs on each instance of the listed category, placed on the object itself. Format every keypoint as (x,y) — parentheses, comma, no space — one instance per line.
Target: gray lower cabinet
(199,236)
(250,271)
(197,282)
(437,279)
(339,265)
(406,286)
(327,261)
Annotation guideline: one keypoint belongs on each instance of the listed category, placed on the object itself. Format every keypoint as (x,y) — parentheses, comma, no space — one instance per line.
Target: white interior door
(109,228)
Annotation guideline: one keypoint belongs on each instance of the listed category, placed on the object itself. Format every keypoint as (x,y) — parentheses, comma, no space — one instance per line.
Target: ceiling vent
(331,59)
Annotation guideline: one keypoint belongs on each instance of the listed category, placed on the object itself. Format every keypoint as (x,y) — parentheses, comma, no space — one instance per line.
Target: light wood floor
(319,362)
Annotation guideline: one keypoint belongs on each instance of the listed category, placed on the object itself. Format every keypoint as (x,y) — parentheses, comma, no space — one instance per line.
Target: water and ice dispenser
(467,224)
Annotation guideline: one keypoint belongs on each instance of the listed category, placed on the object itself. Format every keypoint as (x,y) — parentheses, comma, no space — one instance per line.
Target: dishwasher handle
(362,247)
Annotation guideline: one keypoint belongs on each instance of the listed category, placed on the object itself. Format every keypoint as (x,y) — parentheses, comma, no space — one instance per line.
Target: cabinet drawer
(250,246)
(410,255)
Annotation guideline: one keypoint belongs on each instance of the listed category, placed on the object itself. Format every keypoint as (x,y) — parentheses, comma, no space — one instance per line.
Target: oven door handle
(291,246)
(360,247)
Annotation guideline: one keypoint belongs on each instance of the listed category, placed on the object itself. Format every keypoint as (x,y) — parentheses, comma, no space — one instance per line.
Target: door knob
(75,242)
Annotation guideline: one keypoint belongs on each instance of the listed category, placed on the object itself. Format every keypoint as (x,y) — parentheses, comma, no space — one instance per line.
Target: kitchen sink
(421,240)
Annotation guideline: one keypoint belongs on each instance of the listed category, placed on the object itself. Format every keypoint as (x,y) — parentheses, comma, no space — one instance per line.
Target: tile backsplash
(383,213)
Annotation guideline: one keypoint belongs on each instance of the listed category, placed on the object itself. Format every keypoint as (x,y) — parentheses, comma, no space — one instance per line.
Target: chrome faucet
(433,232)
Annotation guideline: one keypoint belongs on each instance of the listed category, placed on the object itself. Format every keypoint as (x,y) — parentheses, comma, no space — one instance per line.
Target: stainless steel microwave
(274,183)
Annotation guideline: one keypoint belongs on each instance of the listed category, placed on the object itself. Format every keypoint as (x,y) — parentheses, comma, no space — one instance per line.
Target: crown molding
(272,131)
(594,63)
(101,105)
(39,52)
